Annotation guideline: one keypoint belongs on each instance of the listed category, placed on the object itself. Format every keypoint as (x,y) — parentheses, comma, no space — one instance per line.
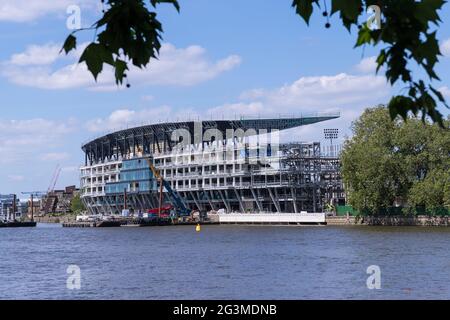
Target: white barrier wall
(272,218)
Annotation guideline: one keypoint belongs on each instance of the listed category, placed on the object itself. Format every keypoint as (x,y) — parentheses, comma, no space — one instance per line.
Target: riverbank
(437,221)
(426,221)
(55,219)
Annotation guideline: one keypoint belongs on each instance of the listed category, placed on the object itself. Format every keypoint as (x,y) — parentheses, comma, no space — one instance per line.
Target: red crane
(55,177)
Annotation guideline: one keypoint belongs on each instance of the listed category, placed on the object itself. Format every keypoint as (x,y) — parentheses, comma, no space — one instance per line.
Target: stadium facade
(233,165)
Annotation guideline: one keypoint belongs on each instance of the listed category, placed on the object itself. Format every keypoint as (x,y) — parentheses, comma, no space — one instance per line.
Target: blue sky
(219,59)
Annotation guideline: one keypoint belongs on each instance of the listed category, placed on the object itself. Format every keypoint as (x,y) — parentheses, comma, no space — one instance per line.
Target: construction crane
(55,177)
(36,194)
(51,199)
(181,209)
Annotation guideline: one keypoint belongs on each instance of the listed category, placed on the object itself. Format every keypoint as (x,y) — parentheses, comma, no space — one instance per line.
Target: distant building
(36,206)
(7,207)
(59,201)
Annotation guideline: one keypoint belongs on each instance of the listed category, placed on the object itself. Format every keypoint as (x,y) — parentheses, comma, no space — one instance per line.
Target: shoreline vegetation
(341,220)
(397,220)
(397,168)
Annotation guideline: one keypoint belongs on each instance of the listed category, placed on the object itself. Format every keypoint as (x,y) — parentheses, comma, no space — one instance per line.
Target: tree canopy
(397,162)
(130,33)
(76,205)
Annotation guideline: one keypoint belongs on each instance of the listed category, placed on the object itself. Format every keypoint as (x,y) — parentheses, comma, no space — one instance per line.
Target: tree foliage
(407,36)
(76,205)
(129,32)
(387,162)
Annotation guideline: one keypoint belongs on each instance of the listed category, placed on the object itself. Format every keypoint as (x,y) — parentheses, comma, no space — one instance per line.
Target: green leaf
(95,55)
(364,37)
(304,8)
(69,44)
(427,11)
(349,9)
(120,68)
(381,59)
(400,105)
(174,2)
(439,95)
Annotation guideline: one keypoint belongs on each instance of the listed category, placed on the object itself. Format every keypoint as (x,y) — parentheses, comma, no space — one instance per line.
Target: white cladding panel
(273,217)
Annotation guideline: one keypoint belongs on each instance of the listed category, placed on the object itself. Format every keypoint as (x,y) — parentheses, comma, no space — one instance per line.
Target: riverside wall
(437,221)
(53,219)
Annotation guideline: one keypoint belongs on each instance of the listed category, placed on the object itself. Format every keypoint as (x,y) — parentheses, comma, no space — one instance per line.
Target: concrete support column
(258,203)
(241,205)
(225,201)
(294,200)
(197,203)
(274,200)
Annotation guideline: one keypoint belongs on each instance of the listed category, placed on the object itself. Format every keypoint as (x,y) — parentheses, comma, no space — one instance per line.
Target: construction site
(241,167)
(38,203)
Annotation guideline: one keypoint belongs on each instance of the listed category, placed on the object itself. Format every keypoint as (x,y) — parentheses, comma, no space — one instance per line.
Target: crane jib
(177,201)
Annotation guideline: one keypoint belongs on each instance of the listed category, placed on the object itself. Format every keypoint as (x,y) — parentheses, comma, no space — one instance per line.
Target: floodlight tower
(331,134)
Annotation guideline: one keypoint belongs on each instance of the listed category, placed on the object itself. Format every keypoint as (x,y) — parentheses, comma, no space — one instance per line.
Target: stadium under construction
(221,165)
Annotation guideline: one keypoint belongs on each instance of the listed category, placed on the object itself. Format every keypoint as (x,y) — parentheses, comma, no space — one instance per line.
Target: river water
(225,262)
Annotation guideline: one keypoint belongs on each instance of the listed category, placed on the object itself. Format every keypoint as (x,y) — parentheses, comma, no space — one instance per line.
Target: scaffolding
(298,178)
(241,177)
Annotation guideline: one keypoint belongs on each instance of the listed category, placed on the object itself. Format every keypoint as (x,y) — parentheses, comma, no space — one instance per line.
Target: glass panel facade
(135,176)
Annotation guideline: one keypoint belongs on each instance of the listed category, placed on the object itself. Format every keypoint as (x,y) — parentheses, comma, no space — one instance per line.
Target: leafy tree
(430,193)
(76,205)
(129,32)
(396,161)
(407,35)
(447,193)
(368,167)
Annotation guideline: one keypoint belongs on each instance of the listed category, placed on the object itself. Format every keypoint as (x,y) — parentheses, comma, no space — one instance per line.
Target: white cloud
(121,118)
(36,55)
(314,132)
(185,67)
(178,67)
(235,110)
(125,118)
(349,94)
(33,127)
(322,93)
(445,47)
(44,78)
(367,65)
(23,139)
(54,156)
(445,91)
(29,10)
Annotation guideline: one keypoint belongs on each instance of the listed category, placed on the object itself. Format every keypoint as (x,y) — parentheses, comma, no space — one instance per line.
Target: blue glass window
(135,176)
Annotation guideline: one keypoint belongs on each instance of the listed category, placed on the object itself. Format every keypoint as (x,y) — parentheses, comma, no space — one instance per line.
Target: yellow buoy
(198,228)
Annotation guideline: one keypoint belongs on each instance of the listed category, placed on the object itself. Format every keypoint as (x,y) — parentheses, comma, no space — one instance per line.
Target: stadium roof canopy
(159,135)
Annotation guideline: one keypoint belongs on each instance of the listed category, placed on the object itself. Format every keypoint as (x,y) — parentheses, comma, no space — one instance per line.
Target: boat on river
(17,224)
